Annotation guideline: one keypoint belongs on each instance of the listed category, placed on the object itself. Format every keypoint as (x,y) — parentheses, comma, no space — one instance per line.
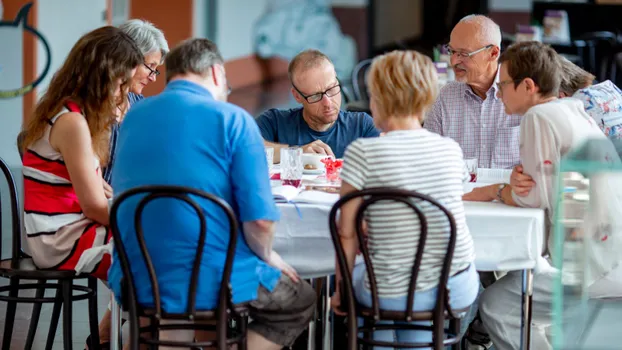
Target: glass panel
(587,237)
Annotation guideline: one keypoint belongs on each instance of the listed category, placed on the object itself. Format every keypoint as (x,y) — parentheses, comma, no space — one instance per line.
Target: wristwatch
(501,187)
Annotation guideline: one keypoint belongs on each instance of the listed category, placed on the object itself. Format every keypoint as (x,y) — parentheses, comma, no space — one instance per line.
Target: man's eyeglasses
(330,92)
(152,71)
(464,55)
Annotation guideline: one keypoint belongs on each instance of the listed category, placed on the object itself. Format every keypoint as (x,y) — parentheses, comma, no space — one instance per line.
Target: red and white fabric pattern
(57,231)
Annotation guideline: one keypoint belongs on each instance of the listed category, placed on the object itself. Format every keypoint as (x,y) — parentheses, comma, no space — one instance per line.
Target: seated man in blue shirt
(190,136)
(319,126)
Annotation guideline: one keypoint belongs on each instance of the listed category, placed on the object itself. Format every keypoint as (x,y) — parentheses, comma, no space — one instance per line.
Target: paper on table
(297,195)
(493,176)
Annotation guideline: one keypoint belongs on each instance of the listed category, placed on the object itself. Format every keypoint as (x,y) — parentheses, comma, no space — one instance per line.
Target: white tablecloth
(506,238)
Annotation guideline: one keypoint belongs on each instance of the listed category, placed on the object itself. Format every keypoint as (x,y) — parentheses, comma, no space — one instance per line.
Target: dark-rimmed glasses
(317,97)
(152,71)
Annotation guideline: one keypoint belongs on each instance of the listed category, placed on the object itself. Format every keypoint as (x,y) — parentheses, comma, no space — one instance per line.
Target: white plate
(313,171)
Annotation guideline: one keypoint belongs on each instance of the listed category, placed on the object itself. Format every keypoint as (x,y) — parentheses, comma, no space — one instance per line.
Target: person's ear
(495,52)
(530,86)
(297,96)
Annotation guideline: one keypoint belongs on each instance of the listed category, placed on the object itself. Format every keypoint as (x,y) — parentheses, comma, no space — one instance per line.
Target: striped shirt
(53,217)
(480,126)
(114,134)
(415,160)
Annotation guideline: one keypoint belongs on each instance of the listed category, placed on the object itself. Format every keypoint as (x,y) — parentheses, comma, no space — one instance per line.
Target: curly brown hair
(89,78)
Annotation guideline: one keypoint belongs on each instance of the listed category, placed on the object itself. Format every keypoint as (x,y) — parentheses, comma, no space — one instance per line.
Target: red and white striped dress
(58,232)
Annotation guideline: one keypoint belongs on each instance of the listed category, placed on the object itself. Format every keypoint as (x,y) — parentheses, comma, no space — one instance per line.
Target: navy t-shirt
(289,127)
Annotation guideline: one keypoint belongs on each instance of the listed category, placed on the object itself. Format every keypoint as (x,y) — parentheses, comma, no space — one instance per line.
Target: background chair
(21,267)
(224,312)
(360,102)
(442,311)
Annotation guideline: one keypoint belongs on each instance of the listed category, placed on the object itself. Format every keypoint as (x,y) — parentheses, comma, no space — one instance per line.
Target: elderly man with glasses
(468,110)
(319,126)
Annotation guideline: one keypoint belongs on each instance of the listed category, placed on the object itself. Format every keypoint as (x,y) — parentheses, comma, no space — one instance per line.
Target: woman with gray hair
(151,42)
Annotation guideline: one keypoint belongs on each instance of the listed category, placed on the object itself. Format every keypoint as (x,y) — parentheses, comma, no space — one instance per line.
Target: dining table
(505,238)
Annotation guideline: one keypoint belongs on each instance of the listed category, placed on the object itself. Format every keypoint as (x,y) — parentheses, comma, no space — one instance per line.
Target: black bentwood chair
(224,312)
(442,311)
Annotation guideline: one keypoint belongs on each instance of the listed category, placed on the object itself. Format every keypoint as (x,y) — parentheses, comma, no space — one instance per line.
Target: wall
(235,21)
(510,5)
(509,13)
(16,68)
(396,20)
(62,28)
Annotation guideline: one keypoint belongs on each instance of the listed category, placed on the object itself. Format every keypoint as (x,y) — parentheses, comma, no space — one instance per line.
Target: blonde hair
(402,84)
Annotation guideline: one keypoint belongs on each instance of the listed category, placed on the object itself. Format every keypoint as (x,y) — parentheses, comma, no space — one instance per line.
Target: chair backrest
(16,223)
(183,194)
(413,200)
(359,76)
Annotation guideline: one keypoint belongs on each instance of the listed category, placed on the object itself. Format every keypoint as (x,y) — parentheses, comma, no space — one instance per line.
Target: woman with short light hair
(403,85)
(151,42)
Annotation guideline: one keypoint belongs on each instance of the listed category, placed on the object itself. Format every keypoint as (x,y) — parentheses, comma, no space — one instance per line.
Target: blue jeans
(463,290)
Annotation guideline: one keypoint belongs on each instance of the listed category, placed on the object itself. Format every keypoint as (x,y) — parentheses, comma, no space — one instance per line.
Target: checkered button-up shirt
(480,127)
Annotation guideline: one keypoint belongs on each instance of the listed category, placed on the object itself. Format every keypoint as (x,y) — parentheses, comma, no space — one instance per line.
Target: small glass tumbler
(291,166)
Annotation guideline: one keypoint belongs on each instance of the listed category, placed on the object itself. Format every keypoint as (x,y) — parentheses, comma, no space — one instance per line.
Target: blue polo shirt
(184,137)
(289,127)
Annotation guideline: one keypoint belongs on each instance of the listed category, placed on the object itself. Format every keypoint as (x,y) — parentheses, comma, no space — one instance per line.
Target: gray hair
(195,56)
(147,37)
(489,31)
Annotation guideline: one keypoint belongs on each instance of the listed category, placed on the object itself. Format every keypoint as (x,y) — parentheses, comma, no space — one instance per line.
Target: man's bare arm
(259,235)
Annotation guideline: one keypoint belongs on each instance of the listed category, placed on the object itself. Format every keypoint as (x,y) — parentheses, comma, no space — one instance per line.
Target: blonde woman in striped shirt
(403,85)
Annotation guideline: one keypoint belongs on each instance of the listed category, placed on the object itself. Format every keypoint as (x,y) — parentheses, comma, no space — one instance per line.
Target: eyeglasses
(330,92)
(464,55)
(152,71)
(501,84)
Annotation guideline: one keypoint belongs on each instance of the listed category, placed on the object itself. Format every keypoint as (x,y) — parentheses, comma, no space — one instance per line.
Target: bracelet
(499,197)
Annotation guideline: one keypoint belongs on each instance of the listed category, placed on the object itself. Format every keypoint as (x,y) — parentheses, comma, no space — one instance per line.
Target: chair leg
(93,318)
(67,316)
(34,318)
(54,320)
(454,327)
(9,318)
(243,325)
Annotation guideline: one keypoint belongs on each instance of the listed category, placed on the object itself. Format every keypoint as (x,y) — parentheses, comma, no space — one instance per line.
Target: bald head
(481,29)
(306,60)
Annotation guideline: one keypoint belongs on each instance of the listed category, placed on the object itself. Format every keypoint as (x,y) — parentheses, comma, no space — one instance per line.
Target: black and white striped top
(429,164)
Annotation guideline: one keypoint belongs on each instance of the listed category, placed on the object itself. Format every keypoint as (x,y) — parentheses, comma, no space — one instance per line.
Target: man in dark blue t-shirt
(319,126)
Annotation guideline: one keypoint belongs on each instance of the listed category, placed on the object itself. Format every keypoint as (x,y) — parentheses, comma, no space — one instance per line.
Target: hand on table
(521,183)
(479,194)
(318,147)
(277,262)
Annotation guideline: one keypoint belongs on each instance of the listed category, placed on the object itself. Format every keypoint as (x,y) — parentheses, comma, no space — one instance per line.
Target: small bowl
(312,161)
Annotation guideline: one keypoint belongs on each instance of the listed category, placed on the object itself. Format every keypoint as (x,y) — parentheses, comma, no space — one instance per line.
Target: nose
(453,59)
(152,77)
(325,100)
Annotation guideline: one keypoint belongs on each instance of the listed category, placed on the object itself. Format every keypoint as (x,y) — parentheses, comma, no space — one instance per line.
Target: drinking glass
(270,158)
(471,164)
(291,166)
